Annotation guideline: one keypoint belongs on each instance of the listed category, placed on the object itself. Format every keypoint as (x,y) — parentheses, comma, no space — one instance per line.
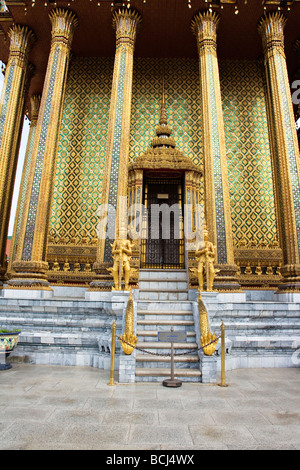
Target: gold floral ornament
(121,252)
(208,340)
(128,339)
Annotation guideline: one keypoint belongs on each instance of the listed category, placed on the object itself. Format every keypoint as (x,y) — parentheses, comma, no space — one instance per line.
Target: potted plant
(8,342)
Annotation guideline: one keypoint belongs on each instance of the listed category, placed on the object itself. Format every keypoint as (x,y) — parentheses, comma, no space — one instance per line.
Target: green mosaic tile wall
(82,147)
(248,150)
(181,83)
(291,150)
(82,142)
(35,190)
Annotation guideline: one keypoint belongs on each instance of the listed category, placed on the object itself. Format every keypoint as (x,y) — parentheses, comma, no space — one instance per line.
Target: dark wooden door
(163,245)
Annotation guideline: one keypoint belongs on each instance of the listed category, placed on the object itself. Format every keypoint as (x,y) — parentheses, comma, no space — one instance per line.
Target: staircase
(59,331)
(260,331)
(163,303)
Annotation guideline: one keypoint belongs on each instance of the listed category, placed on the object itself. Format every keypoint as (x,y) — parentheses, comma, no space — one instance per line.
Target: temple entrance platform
(262,328)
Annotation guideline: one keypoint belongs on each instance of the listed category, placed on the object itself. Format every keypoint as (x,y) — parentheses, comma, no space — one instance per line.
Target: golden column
(11,119)
(27,178)
(285,154)
(115,187)
(217,203)
(30,264)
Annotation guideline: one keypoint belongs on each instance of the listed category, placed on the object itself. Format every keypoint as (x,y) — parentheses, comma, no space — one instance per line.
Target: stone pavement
(66,408)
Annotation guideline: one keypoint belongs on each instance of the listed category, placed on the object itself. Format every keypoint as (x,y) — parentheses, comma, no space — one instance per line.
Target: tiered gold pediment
(163,154)
(164,159)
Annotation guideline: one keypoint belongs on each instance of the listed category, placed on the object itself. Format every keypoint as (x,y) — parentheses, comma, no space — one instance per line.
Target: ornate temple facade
(162,160)
(98,82)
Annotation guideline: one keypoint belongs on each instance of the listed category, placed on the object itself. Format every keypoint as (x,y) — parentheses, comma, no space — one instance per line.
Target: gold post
(115,180)
(285,148)
(113,348)
(26,182)
(223,384)
(217,200)
(30,264)
(11,110)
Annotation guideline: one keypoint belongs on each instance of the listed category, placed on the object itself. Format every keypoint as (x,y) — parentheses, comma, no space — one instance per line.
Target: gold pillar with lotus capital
(30,264)
(11,118)
(217,202)
(26,181)
(285,149)
(115,186)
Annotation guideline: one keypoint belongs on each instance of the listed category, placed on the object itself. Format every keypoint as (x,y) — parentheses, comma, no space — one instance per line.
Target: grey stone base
(262,328)
(260,361)
(15,293)
(208,366)
(63,358)
(127,369)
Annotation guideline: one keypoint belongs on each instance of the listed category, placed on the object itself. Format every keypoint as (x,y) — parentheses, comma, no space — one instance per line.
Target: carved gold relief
(121,251)
(206,258)
(128,339)
(208,340)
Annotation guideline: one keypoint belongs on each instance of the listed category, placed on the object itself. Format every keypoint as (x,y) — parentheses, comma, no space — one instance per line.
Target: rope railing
(113,345)
(167,355)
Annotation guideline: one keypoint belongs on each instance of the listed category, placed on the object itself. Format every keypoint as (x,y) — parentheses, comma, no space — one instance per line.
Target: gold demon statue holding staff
(206,254)
(121,252)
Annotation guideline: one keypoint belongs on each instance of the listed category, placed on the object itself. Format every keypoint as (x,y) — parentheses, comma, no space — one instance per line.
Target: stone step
(156,374)
(167,365)
(63,356)
(250,306)
(165,274)
(45,304)
(163,294)
(167,314)
(148,361)
(153,334)
(161,346)
(266,341)
(57,323)
(279,327)
(50,338)
(165,372)
(164,305)
(73,312)
(270,317)
(190,358)
(165,324)
(162,284)
(166,318)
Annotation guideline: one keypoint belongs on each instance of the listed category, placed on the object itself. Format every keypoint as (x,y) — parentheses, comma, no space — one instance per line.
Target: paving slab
(46,407)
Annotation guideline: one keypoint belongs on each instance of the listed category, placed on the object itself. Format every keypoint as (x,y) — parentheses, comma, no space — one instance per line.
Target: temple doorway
(162,244)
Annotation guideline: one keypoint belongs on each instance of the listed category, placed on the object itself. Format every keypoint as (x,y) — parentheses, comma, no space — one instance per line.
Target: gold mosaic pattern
(82,148)
(82,142)
(248,151)
(181,84)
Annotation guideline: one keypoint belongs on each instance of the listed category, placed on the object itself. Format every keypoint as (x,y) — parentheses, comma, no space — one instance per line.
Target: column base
(291,279)
(103,280)
(100,286)
(226,279)
(28,280)
(2,275)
